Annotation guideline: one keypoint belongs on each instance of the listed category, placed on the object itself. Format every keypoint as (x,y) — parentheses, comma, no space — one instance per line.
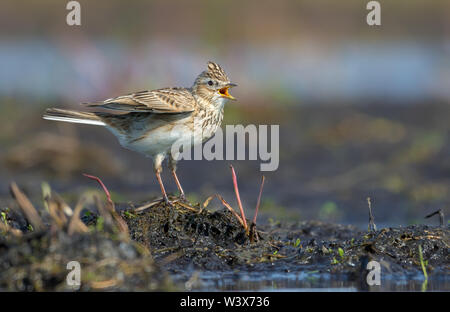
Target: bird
(151,122)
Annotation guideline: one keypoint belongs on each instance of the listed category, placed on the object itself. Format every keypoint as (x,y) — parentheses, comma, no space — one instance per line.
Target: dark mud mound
(184,235)
(48,250)
(38,262)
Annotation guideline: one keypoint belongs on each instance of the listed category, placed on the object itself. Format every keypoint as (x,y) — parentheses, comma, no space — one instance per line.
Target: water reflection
(309,281)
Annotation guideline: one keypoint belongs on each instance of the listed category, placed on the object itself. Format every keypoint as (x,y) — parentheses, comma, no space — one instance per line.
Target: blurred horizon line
(349,70)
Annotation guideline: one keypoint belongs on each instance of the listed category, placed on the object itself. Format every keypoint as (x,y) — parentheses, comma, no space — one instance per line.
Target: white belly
(162,139)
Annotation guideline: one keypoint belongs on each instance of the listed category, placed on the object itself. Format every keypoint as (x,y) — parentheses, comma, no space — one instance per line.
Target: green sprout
(423,264)
(3,214)
(129,215)
(341,252)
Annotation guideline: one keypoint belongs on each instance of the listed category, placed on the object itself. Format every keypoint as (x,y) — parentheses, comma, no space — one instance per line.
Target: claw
(166,200)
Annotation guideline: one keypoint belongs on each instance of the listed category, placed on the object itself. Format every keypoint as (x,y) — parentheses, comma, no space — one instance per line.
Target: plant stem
(259,199)
(238,198)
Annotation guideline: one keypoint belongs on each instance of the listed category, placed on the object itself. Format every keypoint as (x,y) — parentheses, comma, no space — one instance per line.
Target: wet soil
(197,237)
(197,241)
(38,262)
(186,247)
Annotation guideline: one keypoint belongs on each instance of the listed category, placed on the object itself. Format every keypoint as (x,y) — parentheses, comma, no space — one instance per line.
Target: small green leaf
(129,215)
(341,252)
(3,214)
(100,223)
(422,263)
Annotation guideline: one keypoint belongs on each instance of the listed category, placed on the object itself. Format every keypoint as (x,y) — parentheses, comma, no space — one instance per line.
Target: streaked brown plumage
(150,122)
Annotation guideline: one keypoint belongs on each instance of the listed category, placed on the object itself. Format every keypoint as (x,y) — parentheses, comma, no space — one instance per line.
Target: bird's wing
(169,100)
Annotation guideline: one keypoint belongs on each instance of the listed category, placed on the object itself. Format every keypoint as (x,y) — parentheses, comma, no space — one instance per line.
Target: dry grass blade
(146,206)
(7,229)
(121,224)
(227,205)
(274,256)
(63,205)
(206,203)
(58,218)
(186,206)
(75,224)
(104,284)
(238,198)
(27,208)
(58,210)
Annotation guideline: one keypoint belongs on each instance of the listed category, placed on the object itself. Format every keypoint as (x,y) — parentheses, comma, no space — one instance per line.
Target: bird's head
(213,85)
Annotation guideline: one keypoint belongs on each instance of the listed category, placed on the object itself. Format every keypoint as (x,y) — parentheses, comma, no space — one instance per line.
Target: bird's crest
(214,72)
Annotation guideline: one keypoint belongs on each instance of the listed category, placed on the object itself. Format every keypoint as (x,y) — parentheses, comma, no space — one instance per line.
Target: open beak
(224,91)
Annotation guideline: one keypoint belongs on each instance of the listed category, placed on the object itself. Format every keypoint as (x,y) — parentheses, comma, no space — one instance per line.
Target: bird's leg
(182,196)
(158,168)
(161,185)
(173,168)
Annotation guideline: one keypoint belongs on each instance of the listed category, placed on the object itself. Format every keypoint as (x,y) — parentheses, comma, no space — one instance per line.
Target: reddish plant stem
(238,198)
(259,199)
(105,189)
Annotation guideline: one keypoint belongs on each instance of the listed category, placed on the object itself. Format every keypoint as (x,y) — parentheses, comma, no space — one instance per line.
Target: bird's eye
(210,82)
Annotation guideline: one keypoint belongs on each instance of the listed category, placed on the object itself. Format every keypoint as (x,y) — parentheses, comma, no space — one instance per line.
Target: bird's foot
(182,197)
(166,200)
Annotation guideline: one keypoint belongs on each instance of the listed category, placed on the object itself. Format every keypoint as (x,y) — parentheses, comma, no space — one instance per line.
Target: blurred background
(363,110)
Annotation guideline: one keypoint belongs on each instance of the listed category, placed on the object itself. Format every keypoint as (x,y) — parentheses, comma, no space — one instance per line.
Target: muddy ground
(159,247)
(202,240)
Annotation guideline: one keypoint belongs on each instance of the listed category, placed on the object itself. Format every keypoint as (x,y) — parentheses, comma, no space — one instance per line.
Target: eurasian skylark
(150,122)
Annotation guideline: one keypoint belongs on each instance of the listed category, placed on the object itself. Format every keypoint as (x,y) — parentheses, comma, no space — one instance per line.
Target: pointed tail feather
(73,116)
